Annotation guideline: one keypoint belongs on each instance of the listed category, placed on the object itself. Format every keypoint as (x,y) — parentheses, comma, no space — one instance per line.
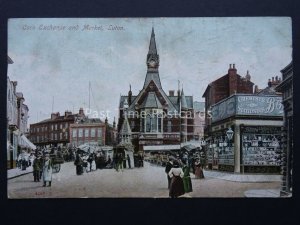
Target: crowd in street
(178,174)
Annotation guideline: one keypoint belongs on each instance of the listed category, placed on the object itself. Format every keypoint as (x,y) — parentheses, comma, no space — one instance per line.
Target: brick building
(54,131)
(223,87)
(153,116)
(199,120)
(87,131)
(254,121)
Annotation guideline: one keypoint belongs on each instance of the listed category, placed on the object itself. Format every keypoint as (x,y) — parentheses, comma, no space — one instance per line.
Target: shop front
(245,135)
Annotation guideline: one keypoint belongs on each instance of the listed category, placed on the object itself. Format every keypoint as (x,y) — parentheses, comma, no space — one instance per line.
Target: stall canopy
(24,142)
(190,147)
(89,148)
(161,147)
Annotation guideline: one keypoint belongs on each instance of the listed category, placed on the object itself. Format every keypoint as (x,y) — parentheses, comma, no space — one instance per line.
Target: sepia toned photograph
(185,107)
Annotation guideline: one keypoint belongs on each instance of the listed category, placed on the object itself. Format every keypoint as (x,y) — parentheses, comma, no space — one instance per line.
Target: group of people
(91,162)
(119,162)
(178,175)
(42,169)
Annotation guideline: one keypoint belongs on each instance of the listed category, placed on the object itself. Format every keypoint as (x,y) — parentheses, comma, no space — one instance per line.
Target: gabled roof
(151,101)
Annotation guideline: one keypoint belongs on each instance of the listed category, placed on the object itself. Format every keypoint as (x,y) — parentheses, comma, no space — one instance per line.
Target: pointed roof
(152,46)
(125,129)
(183,100)
(151,101)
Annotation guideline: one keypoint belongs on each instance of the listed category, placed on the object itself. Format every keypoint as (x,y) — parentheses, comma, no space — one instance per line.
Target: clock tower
(152,56)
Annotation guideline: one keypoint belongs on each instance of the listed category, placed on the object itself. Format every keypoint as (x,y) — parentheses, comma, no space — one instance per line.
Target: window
(132,125)
(169,126)
(37,139)
(46,128)
(99,132)
(74,133)
(93,132)
(51,126)
(153,121)
(80,132)
(159,122)
(60,136)
(37,129)
(86,132)
(148,123)
(55,136)
(66,125)
(55,126)
(61,126)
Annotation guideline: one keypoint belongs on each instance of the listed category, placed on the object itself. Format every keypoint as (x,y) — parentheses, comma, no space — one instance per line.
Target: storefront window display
(220,152)
(261,148)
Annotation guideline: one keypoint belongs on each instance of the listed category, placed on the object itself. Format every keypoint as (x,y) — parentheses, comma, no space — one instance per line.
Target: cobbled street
(147,182)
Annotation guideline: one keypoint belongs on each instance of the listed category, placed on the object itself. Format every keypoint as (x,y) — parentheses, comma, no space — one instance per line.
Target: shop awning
(161,147)
(26,143)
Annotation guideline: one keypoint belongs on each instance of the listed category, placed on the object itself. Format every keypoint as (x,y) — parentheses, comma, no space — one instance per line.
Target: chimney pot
(233,66)
(272,79)
(229,66)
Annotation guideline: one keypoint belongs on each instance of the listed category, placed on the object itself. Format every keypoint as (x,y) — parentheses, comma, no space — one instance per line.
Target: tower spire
(152,46)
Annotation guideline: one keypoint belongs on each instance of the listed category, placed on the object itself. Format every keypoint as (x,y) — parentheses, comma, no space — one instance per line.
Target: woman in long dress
(198,170)
(176,185)
(47,170)
(187,182)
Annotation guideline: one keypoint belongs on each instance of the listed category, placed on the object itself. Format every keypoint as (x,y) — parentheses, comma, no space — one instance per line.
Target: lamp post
(229,134)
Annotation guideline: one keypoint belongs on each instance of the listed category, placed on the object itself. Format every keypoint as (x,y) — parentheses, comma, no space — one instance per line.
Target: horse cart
(57,159)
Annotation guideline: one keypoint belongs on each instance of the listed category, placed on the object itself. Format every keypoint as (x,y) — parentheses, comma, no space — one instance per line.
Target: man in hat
(37,167)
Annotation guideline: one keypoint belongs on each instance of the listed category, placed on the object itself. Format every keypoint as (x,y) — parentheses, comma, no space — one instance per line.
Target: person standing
(120,163)
(47,170)
(167,170)
(198,170)
(37,167)
(187,182)
(78,163)
(176,185)
(129,162)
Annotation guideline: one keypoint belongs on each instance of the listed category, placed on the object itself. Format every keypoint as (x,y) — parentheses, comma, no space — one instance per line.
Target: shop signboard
(224,109)
(248,105)
(259,105)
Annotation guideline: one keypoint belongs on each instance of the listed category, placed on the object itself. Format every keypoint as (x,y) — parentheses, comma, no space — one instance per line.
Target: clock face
(152,63)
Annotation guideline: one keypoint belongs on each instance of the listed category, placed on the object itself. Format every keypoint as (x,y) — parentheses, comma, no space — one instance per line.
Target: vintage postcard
(149,107)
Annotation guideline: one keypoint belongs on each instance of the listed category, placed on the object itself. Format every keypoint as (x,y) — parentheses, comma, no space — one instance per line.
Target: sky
(57,58)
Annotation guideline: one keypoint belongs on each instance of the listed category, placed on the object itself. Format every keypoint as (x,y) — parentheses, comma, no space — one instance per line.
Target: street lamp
(229,134)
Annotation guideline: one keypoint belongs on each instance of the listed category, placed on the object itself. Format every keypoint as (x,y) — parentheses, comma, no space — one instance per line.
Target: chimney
(67,113)
(171,93)
(54,115)
(269,83)
(232,79)
(255,89)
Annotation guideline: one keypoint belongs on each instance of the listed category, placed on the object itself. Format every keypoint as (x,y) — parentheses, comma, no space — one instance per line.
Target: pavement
(16,172)
(149,181)
(246,178)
